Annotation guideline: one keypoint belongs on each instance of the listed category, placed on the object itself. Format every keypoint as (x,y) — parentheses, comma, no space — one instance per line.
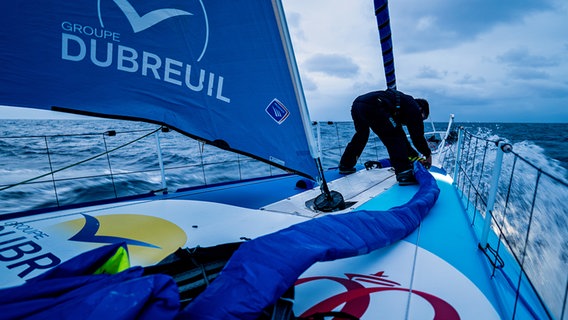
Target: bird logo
(141,23)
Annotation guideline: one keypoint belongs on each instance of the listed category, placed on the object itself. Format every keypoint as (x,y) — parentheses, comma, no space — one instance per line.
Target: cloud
(479,59)
(427,72)
(308,83)
(445,24)
(521,57)
(293,20)
(470,79)
(333,65)
(521,64)
(528,74)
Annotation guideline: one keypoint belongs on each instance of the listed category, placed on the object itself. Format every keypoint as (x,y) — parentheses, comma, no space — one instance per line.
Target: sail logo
(141,23)
(194,17)
(277,111)
(144,43)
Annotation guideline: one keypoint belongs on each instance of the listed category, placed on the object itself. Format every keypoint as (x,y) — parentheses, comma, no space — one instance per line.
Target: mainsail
(219,71)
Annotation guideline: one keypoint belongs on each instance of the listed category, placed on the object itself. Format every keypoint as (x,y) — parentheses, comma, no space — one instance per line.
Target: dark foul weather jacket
(385,112)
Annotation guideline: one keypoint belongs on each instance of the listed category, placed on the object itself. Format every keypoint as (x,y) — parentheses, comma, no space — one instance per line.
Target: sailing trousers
(375,115)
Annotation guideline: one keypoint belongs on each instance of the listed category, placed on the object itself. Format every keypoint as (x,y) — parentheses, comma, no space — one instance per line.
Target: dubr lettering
(22,254)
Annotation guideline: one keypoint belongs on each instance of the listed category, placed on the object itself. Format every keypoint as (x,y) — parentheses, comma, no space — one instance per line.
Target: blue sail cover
(261,270)
(220,71)
(75,290)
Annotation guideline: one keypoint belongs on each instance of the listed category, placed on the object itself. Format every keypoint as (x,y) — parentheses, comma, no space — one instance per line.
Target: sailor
(385,112)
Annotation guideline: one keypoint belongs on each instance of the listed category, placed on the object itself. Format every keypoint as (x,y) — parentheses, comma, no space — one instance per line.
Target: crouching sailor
(385,112)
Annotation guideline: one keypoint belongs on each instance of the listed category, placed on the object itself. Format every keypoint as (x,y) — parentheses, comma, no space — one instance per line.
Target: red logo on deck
(356,298)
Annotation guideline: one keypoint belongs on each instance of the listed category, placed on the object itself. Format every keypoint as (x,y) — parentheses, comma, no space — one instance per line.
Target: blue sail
(219,71)
(81,287)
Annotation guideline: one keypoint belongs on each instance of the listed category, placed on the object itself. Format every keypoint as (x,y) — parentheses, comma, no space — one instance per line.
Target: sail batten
(215,71)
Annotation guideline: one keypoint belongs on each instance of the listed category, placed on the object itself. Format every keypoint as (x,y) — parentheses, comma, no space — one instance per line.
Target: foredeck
(436,270)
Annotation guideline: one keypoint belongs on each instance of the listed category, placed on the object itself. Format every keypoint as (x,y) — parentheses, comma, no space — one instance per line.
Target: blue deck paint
(445,232)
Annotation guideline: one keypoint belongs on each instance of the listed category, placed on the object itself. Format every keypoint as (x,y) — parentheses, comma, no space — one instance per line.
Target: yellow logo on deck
(149,239)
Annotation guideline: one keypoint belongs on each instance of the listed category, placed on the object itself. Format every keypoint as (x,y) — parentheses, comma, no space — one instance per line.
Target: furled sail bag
(93,285)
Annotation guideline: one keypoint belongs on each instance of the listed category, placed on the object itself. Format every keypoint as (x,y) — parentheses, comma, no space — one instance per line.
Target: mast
(332,200)
(383,22)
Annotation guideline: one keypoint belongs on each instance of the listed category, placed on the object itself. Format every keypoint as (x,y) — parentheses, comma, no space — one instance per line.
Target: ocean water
(30,149)
(547,142)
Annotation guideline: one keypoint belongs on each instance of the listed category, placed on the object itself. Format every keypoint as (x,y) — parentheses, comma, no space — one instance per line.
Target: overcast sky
(483,60)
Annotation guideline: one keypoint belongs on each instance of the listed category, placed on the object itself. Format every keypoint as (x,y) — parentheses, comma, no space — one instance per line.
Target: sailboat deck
(356,188)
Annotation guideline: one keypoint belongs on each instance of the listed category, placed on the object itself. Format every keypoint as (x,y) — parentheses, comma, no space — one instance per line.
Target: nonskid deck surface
(356,188)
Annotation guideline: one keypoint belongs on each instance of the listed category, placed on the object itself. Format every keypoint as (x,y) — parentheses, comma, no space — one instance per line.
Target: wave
(530,209)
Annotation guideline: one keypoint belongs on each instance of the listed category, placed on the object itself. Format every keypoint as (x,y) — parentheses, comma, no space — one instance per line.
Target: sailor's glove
(426,162)
(373,165)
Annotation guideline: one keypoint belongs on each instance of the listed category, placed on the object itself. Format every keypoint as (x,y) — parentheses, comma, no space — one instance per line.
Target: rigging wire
(413,272)
(78,163)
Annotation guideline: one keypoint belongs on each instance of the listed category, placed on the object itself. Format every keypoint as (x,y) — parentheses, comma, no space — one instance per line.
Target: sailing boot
(406,178)
(346,170)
